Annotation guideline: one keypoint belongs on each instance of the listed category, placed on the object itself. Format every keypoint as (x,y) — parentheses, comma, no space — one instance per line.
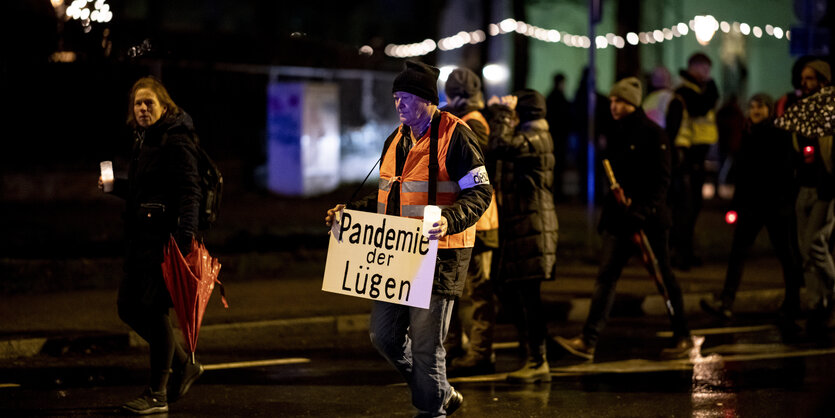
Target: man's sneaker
(532,372)
(683,348)
(454,401)
(577,346)
(147,403)
(716,308)
(182,378)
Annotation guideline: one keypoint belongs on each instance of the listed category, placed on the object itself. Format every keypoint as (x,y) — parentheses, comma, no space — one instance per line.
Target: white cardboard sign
(380,257)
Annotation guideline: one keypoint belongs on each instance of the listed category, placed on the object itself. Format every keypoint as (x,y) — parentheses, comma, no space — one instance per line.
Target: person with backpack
(164,195)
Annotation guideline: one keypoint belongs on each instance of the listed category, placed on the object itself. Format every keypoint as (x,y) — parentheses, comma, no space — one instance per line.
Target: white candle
(431,214)
(107,175)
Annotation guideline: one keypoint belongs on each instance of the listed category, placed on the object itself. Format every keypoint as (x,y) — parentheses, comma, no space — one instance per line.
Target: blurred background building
(67,66)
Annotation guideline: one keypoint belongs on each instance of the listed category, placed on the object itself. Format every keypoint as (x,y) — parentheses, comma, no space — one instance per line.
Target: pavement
(60,266)
(293,313)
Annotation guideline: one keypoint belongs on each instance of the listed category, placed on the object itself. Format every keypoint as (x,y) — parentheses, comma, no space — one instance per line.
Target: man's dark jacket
(640,156)
(763,171)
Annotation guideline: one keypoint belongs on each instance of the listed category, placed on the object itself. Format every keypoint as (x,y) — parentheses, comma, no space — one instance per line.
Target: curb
(326,332)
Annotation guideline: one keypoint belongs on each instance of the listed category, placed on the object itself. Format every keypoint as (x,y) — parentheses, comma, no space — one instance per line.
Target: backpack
(211,186)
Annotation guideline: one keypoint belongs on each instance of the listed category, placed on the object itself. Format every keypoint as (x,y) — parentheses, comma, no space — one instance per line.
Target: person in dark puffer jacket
(521,157)
(163,199)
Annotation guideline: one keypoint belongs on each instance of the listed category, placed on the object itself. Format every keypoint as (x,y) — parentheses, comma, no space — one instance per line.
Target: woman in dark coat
(520,153)
(163,197)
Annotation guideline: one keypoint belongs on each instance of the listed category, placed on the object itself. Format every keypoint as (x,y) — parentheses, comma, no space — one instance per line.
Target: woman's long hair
(161,92)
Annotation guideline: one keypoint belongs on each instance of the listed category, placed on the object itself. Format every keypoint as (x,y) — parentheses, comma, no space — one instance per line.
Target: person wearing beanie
(639,153)
(411,338)
(474,313)
(814,204)
(763,174)
(418,79)
(628,90)
(522,151)
(789,99)
(815,75)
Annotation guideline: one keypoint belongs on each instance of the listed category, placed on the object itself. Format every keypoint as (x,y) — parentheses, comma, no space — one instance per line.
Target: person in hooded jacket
(640,157)
(520,153)
(764,196)
(475,312)
(163,199)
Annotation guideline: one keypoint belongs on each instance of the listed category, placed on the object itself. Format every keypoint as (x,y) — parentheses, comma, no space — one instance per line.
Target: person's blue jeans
(411,339)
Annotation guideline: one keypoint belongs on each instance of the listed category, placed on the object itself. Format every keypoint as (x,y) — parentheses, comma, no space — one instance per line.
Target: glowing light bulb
(731,217)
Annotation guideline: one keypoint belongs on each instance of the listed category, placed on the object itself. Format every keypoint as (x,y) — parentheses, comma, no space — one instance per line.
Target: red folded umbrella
(190,281)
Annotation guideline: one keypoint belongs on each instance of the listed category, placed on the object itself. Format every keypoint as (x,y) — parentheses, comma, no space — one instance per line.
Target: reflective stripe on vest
(700,130)
(490,219)
(414,181)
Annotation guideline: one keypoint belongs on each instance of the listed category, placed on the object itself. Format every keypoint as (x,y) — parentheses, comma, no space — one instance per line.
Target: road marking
(505,346)
(644,365)
(723,330)
(9,385)
(256,363)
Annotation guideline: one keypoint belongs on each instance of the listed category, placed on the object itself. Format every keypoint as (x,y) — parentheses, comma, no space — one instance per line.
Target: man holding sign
(432,158)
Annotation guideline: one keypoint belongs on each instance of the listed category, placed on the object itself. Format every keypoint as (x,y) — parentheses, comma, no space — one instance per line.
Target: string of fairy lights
(703,27)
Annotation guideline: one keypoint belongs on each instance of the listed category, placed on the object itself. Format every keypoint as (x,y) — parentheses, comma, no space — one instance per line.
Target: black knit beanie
(419,79)
(530,105)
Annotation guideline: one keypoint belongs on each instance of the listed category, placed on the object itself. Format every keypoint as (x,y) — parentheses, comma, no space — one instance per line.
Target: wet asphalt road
(743,371)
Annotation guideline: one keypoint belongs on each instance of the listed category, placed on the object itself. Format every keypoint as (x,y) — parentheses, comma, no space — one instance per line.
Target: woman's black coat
(521,162)
(163,198)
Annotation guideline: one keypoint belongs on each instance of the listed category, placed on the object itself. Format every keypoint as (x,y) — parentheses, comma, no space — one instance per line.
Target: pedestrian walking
(410,338)
(640,157)
(521,150)
(816,195)
(474,314)
(764,197)
(691,126)
(163,198)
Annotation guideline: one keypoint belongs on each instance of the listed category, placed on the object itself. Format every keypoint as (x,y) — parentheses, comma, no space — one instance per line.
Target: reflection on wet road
(743,371)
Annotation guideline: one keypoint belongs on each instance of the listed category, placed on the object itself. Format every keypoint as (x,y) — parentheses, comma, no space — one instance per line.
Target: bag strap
(433,158)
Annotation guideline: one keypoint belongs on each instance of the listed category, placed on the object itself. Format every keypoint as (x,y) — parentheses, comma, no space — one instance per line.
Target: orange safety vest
(414,181)
(490,219)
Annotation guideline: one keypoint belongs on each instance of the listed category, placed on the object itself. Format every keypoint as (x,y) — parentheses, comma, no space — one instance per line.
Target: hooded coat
(163,198)
(521,161)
